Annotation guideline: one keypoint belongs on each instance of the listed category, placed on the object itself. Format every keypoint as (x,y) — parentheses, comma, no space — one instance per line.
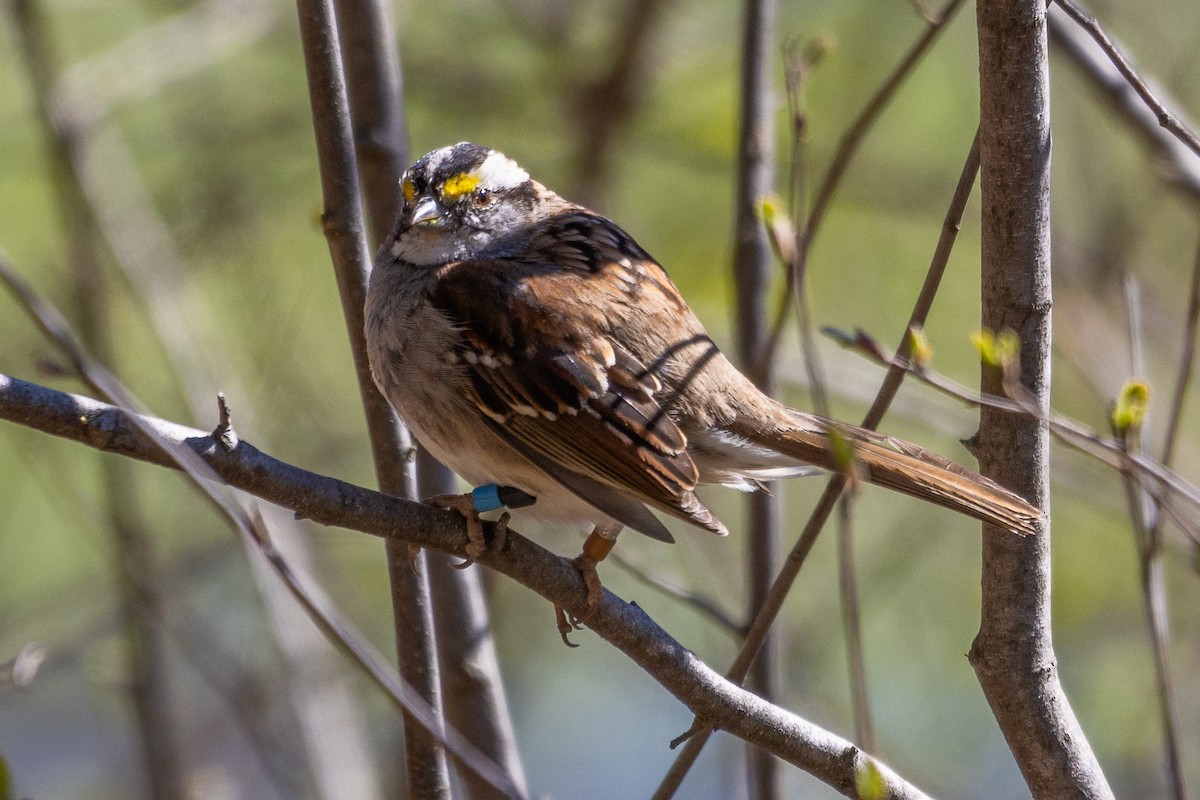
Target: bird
(531,343)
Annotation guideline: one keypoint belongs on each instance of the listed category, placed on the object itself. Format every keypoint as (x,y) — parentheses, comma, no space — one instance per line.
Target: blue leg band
(486,498)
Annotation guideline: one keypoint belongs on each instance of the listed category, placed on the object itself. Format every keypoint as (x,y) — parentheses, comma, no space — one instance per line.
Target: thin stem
(848,147)
(797,269)
(1143,515)
(1165,118)
(864,726)
(1183,165)
(933,279)
(1150,574)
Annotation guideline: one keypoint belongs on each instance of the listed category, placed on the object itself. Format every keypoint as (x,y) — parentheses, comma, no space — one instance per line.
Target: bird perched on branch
(531,343)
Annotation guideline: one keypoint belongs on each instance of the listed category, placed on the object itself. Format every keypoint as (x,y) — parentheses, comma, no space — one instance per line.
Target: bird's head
(463,201)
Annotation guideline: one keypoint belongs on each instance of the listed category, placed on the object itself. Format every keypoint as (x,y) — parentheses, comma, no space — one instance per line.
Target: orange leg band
(597,547)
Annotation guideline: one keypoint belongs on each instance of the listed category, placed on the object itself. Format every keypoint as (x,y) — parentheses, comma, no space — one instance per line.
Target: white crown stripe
(498,171)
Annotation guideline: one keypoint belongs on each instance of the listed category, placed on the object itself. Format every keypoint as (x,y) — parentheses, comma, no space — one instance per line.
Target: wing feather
(569,398)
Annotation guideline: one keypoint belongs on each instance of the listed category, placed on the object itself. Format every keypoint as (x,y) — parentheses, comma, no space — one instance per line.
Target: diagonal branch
(1183,164)
(1162,114)
(329,501)
(828,500)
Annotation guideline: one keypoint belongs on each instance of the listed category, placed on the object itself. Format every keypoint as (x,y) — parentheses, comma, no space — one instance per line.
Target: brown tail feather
(905,467)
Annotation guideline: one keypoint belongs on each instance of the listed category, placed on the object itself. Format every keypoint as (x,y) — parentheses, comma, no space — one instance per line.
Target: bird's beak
(428,213)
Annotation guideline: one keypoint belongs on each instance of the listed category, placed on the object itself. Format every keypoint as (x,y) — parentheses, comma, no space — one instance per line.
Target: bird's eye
(481,198)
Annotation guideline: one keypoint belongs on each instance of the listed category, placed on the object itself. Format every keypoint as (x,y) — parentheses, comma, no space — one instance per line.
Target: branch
(329,501)
(1143,514)
(176,454)
(752,278)
(345,230)
(1013,654)
(472,690)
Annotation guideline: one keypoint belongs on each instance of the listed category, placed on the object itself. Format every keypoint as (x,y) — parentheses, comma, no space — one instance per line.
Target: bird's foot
(464,504)
(595,549)
(565,620)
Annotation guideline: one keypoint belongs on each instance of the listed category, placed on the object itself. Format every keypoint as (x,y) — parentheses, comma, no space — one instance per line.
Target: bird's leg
(483,498)
(596,548)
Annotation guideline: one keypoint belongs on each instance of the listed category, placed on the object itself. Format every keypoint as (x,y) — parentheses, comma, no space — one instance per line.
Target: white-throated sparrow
(531,343)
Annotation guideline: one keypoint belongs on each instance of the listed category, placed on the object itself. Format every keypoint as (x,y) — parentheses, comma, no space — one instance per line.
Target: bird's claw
(465,505)
(566,621)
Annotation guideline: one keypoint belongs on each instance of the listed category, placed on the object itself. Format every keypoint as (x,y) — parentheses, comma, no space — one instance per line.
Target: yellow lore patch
(458,185)
(409,190)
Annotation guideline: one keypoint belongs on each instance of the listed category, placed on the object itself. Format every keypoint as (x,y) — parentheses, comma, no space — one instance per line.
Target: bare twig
(1164,116)
(139,587)
(1150,572)
(367,40)
(850,142)
(933,280)
(828,500)
(1148,543)
(858,130)
(705,606)
(1182,164)
(864,726)
(795,263)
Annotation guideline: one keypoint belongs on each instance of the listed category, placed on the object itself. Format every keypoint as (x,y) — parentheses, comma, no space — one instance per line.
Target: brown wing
(563,392)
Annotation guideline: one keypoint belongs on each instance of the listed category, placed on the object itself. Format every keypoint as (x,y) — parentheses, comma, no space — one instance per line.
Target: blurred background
(208,147)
